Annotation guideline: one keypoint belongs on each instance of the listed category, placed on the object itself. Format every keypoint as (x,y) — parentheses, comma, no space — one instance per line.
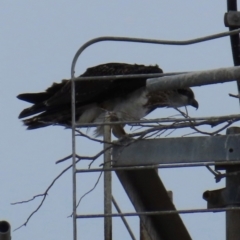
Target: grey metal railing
(233,73)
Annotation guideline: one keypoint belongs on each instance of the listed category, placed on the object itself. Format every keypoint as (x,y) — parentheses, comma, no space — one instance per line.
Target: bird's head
(187,97)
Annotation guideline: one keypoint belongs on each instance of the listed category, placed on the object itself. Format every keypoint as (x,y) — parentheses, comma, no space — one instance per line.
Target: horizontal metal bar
(163,120)
(127,76)
(173,165)
(132,214)
(178,150)
(194,79)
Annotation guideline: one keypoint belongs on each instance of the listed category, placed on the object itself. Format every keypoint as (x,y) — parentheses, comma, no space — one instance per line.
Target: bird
(124,99)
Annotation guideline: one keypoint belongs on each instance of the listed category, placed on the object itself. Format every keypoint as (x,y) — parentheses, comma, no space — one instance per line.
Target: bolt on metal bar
(132,214)
(107,182)
(172,165)
(194,79)
(123,219)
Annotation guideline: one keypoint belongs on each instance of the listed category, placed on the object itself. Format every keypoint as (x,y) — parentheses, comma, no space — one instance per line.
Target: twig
(63,159)
(85,194)
(98,155)
(233,95)
(212,122)
(170,133)
(93,158)
(188,134)
(29,200)
(44,197)
(68,157)
(90,138)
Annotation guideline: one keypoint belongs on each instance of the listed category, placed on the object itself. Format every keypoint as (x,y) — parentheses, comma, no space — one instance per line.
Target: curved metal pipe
(5,230)
(145,40)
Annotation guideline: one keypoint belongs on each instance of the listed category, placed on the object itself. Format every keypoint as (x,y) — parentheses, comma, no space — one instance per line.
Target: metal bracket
(222,198)
(232,19)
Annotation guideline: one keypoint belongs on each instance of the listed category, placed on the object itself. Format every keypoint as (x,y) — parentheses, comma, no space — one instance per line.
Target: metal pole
(123,219)
(74,194)
(161,212)
(231,193)
(231,8)
(193,79)
(107,183)
(5,230)
(233,217)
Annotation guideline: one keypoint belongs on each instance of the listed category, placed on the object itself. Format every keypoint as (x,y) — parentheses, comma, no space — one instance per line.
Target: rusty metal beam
(147,193)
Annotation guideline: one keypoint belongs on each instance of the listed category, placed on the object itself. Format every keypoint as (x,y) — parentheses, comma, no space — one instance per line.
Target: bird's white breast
(132,107)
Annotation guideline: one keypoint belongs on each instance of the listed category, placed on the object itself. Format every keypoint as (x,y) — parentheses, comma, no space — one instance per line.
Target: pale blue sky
(38,41)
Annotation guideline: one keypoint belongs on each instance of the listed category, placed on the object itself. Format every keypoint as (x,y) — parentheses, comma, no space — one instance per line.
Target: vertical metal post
(233,217)
(107,183)
(74,196)
(5,230)
(233,191)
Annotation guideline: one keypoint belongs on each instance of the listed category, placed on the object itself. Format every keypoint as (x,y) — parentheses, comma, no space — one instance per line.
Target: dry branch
(155,127)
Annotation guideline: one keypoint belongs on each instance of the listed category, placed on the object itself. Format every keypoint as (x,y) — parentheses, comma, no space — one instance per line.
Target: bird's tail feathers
(45,119)
(37,108)
(34,97)
(34,123)
(49,117)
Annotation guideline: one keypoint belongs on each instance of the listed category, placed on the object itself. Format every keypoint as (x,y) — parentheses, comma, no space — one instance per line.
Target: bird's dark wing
(58,96)
(99,91)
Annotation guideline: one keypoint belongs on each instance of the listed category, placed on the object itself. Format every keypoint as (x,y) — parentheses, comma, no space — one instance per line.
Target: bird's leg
(117,130)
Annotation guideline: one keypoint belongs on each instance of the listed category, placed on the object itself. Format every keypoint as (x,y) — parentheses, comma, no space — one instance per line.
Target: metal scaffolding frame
(150,217)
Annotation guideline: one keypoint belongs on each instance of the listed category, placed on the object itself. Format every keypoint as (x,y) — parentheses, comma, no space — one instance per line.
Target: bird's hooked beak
(194,103)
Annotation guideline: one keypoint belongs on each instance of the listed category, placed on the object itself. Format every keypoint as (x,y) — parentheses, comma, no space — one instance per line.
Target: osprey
(124,99)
